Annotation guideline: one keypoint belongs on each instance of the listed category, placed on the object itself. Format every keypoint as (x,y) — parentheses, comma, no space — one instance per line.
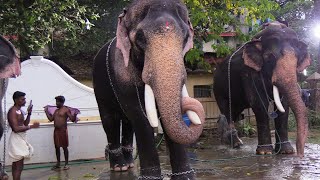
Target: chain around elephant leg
(127,153)
(284,148)
(116,159)
(264,149)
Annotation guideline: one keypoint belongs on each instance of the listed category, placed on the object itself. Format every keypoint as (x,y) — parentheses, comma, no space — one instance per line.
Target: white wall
(42,80)
(87,140)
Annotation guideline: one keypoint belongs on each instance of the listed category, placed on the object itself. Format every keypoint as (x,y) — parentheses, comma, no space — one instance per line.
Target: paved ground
(211,161)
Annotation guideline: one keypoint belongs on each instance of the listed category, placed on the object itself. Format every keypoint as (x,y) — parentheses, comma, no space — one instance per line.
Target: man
(60,135)
(19,148)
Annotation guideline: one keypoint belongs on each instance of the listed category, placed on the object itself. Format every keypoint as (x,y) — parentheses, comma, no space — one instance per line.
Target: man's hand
(30,109)
(35,125)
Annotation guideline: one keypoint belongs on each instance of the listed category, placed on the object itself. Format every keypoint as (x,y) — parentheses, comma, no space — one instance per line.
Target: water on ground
(209,159)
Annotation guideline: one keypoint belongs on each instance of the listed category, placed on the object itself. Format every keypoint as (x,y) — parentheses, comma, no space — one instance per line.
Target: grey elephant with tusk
(140,76)
(9,68)
(263,72)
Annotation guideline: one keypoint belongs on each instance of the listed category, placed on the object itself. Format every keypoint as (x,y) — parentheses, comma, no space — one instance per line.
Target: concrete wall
(87,140)
(42,80)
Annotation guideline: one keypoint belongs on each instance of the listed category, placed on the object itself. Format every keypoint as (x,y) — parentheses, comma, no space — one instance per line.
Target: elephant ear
(304,59)
(252,55)
(189,44)
(123,41)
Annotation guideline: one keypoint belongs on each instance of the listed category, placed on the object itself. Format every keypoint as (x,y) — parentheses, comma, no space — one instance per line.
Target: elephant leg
(230,135)
(282,145)
(179,161)
(127,141)
(111,125)
(264,135)
(148,155)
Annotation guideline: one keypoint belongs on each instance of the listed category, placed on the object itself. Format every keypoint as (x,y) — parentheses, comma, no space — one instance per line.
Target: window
(202,91)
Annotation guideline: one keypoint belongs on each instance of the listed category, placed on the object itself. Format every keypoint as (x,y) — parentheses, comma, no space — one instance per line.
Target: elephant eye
(140,39)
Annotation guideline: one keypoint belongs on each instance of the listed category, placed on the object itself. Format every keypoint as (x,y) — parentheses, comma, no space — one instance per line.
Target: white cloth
(19,148)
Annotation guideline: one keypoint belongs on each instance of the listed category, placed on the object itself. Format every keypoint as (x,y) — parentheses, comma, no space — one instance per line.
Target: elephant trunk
(165,73)
(285,78)
(299,109)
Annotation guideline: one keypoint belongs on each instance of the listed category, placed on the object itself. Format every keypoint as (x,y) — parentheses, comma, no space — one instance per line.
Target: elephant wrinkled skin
(144,64)
(265,65)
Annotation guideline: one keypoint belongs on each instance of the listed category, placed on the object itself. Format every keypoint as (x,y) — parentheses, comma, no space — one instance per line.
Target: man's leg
(17,168)
(58,158)
(66,157)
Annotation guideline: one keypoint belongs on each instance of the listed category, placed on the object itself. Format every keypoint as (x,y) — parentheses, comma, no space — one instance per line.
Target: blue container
(186,119)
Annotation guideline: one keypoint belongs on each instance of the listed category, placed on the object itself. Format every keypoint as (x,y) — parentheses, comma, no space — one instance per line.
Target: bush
(247,129)
(313,119)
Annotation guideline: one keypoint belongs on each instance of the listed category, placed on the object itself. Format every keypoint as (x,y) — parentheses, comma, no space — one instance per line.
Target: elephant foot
(264,150)
(116,159)
(127,154)
(284,148)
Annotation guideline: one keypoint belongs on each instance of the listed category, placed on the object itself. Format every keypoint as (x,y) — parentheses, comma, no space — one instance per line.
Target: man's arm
(72,118)
(27,121)
(13,121)
(49,116)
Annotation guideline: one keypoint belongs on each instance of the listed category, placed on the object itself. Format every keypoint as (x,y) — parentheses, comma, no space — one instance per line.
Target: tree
(210,16)
(35,23)
(103,30)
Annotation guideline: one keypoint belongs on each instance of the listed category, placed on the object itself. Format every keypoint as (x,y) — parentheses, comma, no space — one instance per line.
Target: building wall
(209,104)
(81,145)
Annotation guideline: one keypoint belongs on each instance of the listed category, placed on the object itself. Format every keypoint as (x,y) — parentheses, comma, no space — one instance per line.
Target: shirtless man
(60,134)
(19,148)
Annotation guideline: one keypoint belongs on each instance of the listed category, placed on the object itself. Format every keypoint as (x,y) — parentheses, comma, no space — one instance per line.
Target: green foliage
(37,22)
(209,17)
(313,119)
(247,129)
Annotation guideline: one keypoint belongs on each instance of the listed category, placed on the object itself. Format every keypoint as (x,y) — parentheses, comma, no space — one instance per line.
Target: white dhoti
(18,146)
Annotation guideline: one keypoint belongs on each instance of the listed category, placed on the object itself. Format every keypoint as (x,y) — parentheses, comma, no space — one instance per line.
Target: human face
(59,104)
(21,101)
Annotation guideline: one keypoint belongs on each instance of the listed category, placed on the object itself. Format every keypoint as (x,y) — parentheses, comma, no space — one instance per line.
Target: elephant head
(280,55)
(156,34)
(9,67)
(9,60)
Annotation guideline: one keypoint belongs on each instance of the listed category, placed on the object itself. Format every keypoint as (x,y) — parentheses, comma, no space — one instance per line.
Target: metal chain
(5,124)
(191,171)
(127,149)
(151,177)
(109,76)
(229,83)
(264,145)
(144,113)
(116,152)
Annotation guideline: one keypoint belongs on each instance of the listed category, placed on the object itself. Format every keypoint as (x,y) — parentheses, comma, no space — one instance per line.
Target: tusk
(194,118)
(184,91)
(277,100)
(150,106)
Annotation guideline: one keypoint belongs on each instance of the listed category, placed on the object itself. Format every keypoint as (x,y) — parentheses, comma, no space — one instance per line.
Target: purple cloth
(52,109)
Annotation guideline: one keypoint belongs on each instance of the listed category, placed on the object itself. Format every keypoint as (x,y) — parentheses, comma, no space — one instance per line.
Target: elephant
(9,67)
(141,74)
(260,73)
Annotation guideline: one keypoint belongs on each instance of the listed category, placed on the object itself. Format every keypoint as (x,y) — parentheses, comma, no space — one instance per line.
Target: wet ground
(209,159)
